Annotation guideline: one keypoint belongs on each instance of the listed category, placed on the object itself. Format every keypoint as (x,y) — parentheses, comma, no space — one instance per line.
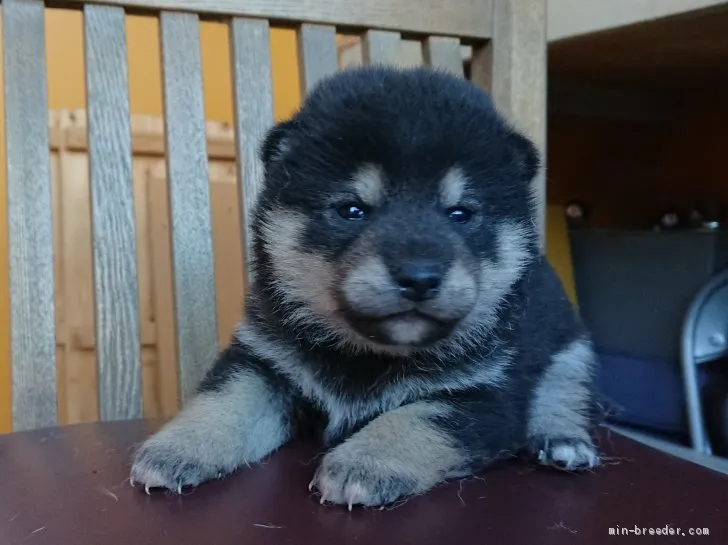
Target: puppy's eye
(459,215)
(352,211)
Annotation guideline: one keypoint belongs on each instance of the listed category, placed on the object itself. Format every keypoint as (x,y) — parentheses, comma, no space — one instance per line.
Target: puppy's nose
(419,281)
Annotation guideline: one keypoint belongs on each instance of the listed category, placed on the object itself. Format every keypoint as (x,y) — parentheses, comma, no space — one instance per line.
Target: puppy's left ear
(276,143)
(526,155)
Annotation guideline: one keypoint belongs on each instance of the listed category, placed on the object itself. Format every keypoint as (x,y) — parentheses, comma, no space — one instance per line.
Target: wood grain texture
(147,136)
(151,402)
(444,53)
(253,105)
(513,68)
(59,277)
(167,371)
(381,47)
(78,383)
(465,18)
(189,199)
(6,393)
(228,249)
(32,316)
(317,54)
(116,295)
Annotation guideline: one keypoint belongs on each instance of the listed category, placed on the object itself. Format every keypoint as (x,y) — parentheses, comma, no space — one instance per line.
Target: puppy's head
(396,210)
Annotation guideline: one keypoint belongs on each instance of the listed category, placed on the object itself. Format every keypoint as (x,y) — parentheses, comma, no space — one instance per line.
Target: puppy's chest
(350,397)
(347,407)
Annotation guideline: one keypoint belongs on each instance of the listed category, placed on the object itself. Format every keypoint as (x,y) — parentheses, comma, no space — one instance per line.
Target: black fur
(416,126)
(368,116)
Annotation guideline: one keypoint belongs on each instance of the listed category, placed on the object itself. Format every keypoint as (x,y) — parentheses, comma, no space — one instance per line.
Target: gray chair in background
(704,340)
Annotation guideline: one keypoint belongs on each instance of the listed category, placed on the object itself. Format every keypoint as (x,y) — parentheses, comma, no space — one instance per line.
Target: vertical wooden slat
(116,296)
(6,393)
(189,198)
(381,47)
(253,100)
(513,68)
(32,316)
(444,53)
(316,53)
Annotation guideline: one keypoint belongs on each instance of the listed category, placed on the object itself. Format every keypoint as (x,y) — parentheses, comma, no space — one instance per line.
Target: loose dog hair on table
(399,300)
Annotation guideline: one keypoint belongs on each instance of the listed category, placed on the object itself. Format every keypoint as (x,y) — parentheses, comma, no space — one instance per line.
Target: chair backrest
(704,339)
(508,41)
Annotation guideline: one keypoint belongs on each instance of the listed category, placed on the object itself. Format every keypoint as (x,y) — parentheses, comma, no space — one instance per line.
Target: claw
(322,500)
(179,489)
(349,506)
(310,486)
(146,489)
(131,482)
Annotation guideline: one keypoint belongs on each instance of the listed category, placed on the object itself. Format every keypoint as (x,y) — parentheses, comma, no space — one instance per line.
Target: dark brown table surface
(69,486)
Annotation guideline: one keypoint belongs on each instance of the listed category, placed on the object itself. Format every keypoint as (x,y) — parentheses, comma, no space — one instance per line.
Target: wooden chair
(508,41)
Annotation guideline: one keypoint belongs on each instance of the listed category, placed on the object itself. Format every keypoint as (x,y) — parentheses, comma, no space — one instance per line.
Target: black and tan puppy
(400,293)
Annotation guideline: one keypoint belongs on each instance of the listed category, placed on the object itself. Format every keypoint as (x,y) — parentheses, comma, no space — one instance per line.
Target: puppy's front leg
(240,414)
(400,453)
(562,410)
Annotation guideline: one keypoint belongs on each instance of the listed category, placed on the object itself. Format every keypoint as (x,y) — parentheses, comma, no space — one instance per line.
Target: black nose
(419,281)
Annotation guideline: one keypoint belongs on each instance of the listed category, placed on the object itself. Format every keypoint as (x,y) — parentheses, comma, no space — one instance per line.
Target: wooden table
(69,486)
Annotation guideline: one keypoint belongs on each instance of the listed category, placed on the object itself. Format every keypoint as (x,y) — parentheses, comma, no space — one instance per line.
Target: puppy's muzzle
(414,302)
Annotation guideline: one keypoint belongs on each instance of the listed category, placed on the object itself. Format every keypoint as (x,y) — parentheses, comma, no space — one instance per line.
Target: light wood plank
(513,68)
(317,55)
(151,402)
(59,277)
(253,100)
(381,47)
(78,377)
(226,242)
(167,371)
(465,18)
(189,198)
(147,136)
(32,316)
(116,295)
(444,53)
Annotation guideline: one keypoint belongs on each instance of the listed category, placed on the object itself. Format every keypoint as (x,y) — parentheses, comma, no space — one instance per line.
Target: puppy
(399,298)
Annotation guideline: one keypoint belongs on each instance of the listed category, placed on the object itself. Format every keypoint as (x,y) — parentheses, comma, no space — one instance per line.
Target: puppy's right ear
(276,143)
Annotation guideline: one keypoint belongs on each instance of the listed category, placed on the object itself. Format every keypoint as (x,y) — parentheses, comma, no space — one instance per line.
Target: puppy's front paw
(568,454)
(163,462)
(363,480)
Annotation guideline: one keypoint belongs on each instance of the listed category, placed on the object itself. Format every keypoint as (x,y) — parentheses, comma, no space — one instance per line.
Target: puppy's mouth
(413,327)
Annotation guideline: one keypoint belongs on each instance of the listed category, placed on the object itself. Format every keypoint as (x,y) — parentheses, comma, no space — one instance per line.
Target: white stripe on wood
(381,47)
(118,349)
(253,100)
(189,198)
(317,54)
(32,314)
(444,53)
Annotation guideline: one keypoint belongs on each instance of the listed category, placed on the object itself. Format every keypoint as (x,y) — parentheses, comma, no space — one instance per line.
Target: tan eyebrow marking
(368,184)
(452,187)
